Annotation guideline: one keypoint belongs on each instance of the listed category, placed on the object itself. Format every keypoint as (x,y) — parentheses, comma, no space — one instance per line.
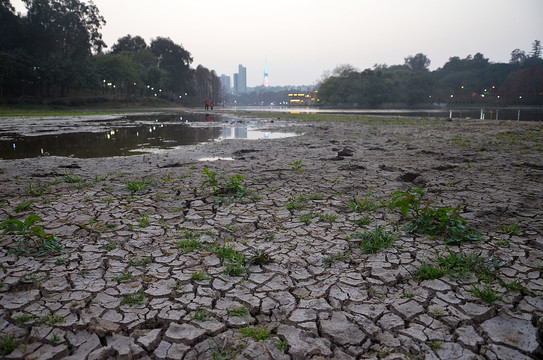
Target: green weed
(307,217)
(327,217)
(125,276)
(139,185)
(186,246)
(7,344)
(486,293)
(407,200)
(235,270)
(460,266)
(237,311)
(257,334)
(199,276)
(338,256)
(200,314)
(365,220)
(443,222)
(512,229)
(33,239)
(375,240)
(133,299)
(24,206)
(359,204)
(282,345)
(297,166)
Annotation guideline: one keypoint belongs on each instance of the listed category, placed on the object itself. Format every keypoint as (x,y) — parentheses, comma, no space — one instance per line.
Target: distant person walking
(207,104)
(211,105)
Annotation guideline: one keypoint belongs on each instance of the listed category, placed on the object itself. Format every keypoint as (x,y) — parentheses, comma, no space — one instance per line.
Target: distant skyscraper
(240,80)
(236,83)
(225,83)
(266,80)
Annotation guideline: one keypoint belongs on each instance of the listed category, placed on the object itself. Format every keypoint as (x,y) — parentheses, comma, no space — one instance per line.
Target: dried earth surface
(305,257)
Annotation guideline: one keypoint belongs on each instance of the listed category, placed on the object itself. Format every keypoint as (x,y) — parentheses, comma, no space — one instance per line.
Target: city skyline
(313,37)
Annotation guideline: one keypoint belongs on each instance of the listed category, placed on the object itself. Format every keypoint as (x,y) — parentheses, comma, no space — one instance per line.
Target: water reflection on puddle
(124,136)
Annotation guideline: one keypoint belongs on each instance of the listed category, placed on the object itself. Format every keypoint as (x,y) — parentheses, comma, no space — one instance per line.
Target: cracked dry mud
(126,288)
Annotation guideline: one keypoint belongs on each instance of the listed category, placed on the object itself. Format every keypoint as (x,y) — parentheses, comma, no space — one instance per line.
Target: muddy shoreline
(304,280)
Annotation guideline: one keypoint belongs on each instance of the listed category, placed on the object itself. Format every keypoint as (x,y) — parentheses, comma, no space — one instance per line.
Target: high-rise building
(225,83)
(242,79)
(236,83)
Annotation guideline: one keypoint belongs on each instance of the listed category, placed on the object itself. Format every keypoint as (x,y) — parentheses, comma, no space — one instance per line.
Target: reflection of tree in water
(118,142)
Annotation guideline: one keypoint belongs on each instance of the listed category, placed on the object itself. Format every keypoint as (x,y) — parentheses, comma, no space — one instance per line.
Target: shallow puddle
(130,135)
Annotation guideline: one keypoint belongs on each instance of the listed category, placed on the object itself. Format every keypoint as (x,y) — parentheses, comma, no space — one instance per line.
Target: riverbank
(291,249)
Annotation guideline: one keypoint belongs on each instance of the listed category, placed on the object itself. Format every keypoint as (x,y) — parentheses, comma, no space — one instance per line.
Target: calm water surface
(124,136)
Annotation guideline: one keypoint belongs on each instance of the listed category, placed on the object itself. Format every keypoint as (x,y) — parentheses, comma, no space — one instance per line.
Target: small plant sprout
(512,229)
(199,276)
(256,333)
(375,240)
(237,311)
(33,240)
(139,185)
(200,314)
(338,256)
(297,166)
(133,299)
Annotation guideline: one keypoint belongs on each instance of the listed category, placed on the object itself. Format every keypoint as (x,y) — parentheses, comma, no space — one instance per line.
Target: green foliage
(125,276)
(7,344)
(297,166)
(260,258)
(406,201)
(110,245)
(36,190)
(228,253)
(24,206)
(211,180)
(294,205)
(235,270)
(139,185)
(33,239)
(237,311)
(375,240)
(200,314)
(186,246)
(512,229)
(70,178)
(307,217)
(338,256)
(460,266)
(52,319)
(327,217)
(359,204)
(233,186)
(486,293)
(199,276)
(365,220)
(256,333)
(282,345)
(444,222)
(133,299)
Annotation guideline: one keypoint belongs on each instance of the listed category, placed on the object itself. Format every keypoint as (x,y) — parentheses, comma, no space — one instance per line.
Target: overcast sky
(301,39)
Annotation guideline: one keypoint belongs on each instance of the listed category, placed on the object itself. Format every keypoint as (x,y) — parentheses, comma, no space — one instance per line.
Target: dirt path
(301,258)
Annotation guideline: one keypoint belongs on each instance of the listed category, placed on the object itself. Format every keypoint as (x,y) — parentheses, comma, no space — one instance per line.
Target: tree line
(56,50)
(471,80)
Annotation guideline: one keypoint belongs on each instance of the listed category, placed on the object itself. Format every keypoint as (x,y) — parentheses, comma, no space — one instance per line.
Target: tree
(417,63)
(536,49)
(517,57)
(129,43)
(175,61)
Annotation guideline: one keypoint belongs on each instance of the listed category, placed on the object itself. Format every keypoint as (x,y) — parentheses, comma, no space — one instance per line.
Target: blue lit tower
(266,81)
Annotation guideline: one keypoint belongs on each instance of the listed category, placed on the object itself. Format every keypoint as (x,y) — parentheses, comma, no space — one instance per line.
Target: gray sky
(301,39)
